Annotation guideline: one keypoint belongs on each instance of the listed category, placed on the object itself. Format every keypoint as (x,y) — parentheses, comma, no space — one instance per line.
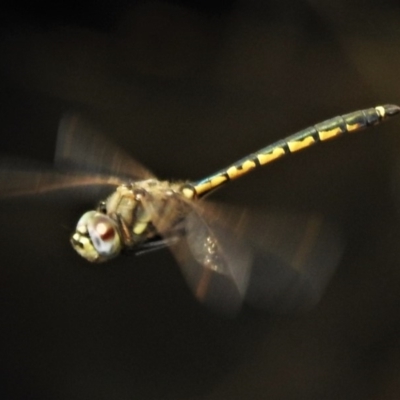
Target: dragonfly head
(96,237)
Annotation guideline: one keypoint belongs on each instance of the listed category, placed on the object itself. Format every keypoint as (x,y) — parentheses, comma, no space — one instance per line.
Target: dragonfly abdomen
(320,132)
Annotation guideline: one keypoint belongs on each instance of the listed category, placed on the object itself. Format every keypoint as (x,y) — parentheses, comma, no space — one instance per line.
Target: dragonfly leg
(126,234)
(156,243)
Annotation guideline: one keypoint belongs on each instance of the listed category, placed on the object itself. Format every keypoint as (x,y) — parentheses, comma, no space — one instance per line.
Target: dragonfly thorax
(133,214)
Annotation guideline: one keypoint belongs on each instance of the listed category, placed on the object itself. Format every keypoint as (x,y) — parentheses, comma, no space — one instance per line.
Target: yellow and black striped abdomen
(320,132)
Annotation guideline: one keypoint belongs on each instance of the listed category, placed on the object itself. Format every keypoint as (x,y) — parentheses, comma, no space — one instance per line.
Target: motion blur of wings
(276,260)
(279,261)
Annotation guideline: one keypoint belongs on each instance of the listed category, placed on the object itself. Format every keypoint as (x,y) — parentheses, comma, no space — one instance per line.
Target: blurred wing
(88,166)
(214,263)
(24,178)
(295,257)
(278,261)
(80,147)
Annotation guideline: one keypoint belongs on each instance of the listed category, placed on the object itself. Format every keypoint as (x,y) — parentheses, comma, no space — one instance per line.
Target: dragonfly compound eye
(96,237)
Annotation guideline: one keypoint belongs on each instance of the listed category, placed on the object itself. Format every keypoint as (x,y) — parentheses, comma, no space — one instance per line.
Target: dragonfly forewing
(24,178)
(82,147)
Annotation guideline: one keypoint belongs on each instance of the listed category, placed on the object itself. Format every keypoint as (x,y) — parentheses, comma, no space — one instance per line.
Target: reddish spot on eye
(105,231)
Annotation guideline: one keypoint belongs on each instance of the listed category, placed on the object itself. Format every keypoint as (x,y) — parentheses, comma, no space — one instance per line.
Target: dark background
(187,87)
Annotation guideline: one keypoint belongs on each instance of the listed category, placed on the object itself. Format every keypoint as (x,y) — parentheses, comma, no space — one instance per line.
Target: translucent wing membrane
(23,178)
(215,264)
(294,257)
(276,261)
(81,147)
(84,160)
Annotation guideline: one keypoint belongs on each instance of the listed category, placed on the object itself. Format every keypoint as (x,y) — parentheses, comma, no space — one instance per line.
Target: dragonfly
(225,254)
